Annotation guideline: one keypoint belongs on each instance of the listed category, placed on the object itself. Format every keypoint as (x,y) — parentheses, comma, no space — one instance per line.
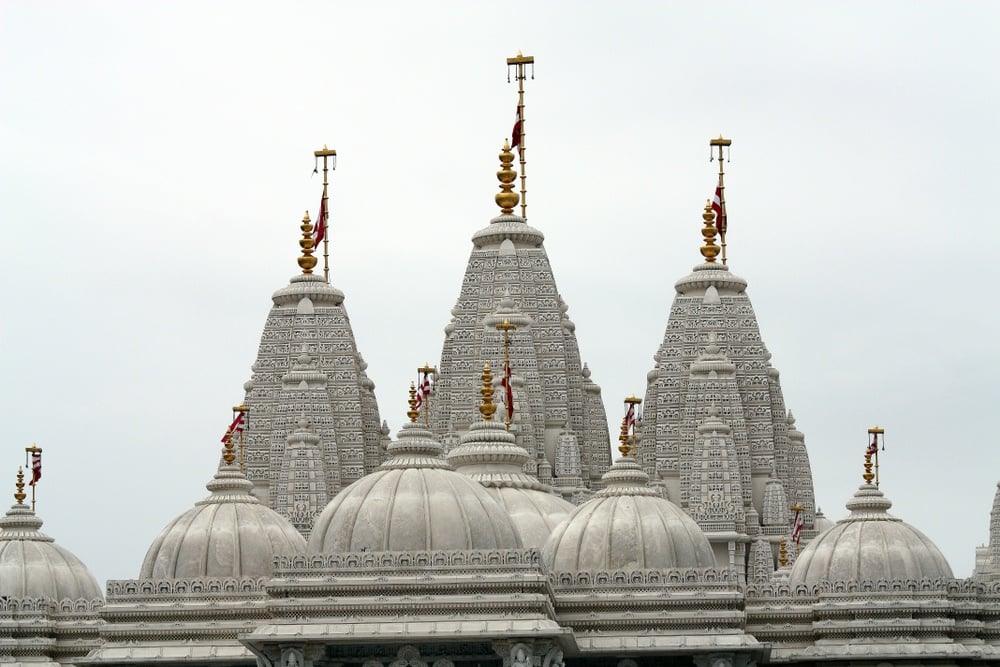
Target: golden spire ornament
(506,199)
(413,413)
(227,450)
(20,495)
(709,251)
(487,409)
(306,260)
(623,438)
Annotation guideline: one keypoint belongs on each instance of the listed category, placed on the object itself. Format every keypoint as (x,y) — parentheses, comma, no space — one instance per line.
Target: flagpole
(506,327)
(875,432)
(633,401)
(723,223)
(426,369)
(326,153)
(30,451)
(244,410)
(519,61)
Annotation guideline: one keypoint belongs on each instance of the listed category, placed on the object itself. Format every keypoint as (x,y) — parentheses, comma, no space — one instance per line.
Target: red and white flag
(237,426)
(872,446)
(630,416)
(319,230)
(508,396)
(721,224)
(515,134)
(36,466)
(423,390)
(797,524)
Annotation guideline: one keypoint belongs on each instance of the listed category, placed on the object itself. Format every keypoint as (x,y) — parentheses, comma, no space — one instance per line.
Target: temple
(495,530)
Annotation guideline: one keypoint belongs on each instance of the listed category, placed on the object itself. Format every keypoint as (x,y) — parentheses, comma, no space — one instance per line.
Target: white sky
(156,164)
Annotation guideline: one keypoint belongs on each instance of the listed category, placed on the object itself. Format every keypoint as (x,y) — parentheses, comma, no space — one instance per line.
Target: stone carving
(508,262)
(711,352)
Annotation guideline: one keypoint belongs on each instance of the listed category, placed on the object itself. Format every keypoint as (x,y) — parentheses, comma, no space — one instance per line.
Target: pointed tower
(715,494)
(308,366)
(990,569)
(712,350)
(509,275)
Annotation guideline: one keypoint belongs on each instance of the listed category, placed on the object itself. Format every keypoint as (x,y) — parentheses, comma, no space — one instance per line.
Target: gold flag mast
(426,370)
(872,452)
(518,62)
(324,218)
(244,410)
(722,223)
(506,327)
(33,456)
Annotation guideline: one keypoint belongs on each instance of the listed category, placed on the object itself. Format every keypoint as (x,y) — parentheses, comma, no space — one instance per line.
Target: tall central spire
(549,396)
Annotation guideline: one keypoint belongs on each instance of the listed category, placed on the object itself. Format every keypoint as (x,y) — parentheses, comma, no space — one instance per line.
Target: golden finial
(20,495)
(487,409)
(709,251)
(624,448)
(783,553)
(227,452)
(506,199)
(306,261)
(413,413)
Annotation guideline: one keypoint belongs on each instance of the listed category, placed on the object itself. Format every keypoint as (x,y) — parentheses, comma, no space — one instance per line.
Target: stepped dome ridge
(869,544)
(705,276)
(311,286)
(228,534)
(415,501)
(627,525)
(32,565)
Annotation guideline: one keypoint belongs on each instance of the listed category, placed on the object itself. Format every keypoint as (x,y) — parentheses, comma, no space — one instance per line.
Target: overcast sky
(157,160)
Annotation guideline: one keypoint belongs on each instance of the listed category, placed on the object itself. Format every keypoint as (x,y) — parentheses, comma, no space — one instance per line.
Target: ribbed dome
(228,534)
(488,453)
(414,502)
(627,526)
(869,544)
(33,566)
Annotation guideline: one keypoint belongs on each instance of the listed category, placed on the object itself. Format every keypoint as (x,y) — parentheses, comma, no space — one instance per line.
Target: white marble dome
(33,566)
(414,502)
(870,544)
(488,453)
(627,526)
(228,534)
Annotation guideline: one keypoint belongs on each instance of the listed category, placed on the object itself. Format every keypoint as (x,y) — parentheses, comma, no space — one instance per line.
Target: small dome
(627,525)
(414,502)
(33,566)
(488,454)
(821,522)
(869,544)
(228,534)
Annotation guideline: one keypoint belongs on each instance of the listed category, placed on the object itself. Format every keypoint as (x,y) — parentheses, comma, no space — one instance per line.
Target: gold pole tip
(413,413)
(487,408)
(19,495)
(506,199)
(227,449)
(306,261)
(709,250)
